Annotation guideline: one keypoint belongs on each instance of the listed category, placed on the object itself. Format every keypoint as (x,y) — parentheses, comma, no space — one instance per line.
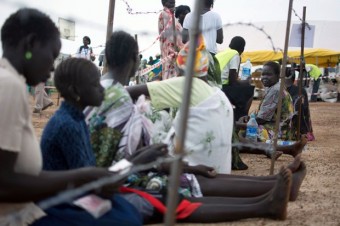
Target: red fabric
(184,209)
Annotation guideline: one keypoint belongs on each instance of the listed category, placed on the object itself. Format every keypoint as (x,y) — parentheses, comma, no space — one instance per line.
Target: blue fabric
(122,214)
(65,143)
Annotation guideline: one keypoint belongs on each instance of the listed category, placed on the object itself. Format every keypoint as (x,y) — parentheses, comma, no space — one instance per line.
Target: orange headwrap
(201,61)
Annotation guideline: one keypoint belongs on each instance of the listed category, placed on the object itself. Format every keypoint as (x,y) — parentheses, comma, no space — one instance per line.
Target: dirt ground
(319,199)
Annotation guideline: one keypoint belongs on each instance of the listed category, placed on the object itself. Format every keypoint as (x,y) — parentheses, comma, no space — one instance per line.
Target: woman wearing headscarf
(210,119)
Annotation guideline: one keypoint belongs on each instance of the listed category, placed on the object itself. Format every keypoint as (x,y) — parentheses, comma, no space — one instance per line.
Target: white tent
(326,36)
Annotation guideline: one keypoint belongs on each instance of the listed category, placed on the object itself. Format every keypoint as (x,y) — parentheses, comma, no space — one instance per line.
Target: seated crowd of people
(102,122)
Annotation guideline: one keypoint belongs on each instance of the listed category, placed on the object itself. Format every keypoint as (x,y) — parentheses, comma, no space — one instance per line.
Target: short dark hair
(208,3)
(275,66)
(181,9)
(72,72)
(120,48)
(237,43)
(27,21)
(290,74)
(87,38)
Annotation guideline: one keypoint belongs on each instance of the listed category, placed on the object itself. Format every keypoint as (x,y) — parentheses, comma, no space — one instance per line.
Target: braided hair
(72,73)
(120,48)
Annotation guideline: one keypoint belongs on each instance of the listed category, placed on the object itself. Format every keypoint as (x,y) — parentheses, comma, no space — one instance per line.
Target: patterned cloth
(201,60)
(206,64)
(169,48)
(115,121)
(268,110)
(306,122)
(117,127)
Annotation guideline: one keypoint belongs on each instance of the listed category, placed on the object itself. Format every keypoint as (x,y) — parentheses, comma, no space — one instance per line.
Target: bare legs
(225,185)
(292,150)
(273,204)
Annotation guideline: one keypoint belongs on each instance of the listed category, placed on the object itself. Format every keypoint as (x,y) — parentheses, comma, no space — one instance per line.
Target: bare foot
(280,194)
(298,147)
(293,149)
(277,154)
(294,166)
(297,180)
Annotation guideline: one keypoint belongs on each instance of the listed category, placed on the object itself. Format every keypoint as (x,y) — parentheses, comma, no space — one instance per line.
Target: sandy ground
(319,199)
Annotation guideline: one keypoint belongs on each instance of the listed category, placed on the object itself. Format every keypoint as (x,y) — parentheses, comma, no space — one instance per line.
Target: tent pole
(176,166)
(302,65)
(282,84)
(109,27)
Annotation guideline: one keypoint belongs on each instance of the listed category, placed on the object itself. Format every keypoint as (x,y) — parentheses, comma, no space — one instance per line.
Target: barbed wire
(260,29)
(307,25)
(130,10)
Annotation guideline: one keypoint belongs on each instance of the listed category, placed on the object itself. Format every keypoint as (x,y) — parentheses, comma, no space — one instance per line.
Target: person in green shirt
(315,74)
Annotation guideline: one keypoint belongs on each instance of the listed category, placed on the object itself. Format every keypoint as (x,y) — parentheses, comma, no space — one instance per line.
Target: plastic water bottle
(246,70)
(285,142)
(252,127)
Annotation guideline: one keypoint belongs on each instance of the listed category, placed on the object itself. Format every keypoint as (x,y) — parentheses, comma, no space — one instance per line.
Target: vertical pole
(109,27)
(176,167)
(282,84)
(302,65)
(137,75)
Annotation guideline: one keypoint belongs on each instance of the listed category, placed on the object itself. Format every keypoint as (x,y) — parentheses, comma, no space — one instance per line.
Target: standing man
(211,27)
(314,73)
(230,60)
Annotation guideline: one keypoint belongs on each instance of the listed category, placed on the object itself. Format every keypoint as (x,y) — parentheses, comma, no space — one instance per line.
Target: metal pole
(282,84)
(109,27)
(176,167)
(137,76)
(302,65)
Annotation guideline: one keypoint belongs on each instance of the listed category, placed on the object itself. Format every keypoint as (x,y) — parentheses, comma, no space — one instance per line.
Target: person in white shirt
(211,25)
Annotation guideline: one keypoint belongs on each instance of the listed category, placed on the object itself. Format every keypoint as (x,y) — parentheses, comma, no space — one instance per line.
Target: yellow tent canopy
(319,57)
(259,57)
